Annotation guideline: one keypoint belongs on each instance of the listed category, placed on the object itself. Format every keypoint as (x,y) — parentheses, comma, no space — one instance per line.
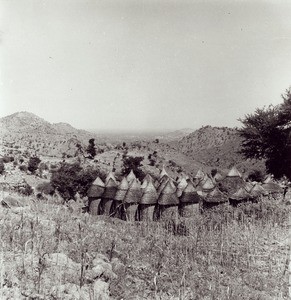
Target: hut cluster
(166,198)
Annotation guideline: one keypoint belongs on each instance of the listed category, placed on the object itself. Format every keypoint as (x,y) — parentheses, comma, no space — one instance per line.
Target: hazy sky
(143,64)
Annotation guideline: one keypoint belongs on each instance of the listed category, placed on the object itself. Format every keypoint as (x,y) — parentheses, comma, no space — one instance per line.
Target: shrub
(69,179)
(33,164)
(256,175)
(23,168)
(134,164)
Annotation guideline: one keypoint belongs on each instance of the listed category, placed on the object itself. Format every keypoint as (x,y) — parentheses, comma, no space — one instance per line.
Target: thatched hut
(207,185)
(148,178)
(110,176)
(214,198)
(273,189)
(108,196)
(240,196)
(199,177)
(130,177)
(168,202)
(117,205)
(148,203)
(131,201)
(189,201)
(258,191)
(232,182)
(94,194)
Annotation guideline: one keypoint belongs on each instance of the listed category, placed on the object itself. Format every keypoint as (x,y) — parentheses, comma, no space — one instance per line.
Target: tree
(69,179)
(33,164)
(134,164)
(91,150)
(267,135)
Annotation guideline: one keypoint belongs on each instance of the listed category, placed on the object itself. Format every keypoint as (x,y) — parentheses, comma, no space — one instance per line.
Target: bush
(256,175)
(134,164)
(69,179)
(25,190)
(33,164)
(23,168)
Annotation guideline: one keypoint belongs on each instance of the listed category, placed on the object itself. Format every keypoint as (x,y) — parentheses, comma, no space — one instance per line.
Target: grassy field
(50,252)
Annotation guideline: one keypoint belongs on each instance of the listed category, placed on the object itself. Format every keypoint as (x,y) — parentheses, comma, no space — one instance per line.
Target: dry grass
(223,254)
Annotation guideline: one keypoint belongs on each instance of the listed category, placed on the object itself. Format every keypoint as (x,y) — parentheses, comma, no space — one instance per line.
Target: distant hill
(25,130)
(217,147)
(175,135)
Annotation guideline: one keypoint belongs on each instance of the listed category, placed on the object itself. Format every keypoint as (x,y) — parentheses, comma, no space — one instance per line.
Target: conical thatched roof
(199,174)
(134,193)
(189,194)
(268,179)
(110,175)
(110,189)
(168,195)
(150,195)
(122,190)
(96,189)
(240,195)
(258,190)
(207,185)
(148,178)
(234,172)
(181,186)
(248,187)
(230,184)
(215,196)
(130,177)
(163,173)
(164,183)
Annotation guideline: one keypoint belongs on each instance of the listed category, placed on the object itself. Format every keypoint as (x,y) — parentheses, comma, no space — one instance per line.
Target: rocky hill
(26,131)
(217,147)
(175,135)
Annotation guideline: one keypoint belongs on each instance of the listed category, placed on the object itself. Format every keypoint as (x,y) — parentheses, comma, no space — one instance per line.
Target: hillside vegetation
(217,147)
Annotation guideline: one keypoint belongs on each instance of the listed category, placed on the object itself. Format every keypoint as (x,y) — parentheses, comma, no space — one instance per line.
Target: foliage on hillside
(217,147)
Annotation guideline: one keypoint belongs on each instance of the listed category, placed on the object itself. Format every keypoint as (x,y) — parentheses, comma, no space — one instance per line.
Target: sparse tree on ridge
(267,135)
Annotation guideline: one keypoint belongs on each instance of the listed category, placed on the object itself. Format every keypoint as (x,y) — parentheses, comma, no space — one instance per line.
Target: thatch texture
(234,172)
(130,177)
(121,190)
(134,193)
(110,189)
(240,196)
(150,195)
(96,189)
(189,195)
(207,185)
(94,206)
(248,187)
(131,212)
(168,195)
(110,176)
(215,196)
(268,179)
(231,184)
(199,175)
(258,190)
(181,186)
(188,210)
(147,212)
